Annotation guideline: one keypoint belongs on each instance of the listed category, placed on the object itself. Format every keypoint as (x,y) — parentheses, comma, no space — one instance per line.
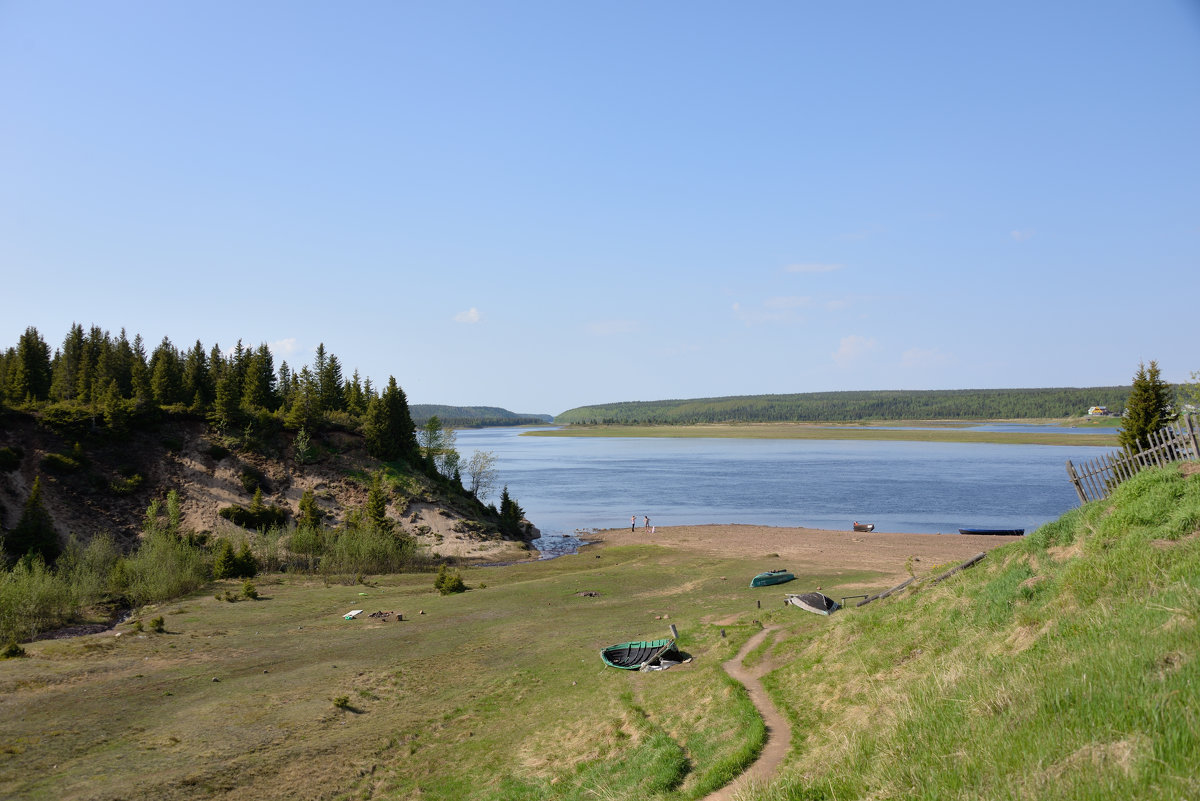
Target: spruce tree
(116,418)
(29,377)
(333,396)
(1148,409)
(66,367)
(309,515)
(376,510)
(305,411)
(510,515)
(225,561)
(388,426)
(139,372)
(197,381)
(226,412)
(34,532)
(166,374)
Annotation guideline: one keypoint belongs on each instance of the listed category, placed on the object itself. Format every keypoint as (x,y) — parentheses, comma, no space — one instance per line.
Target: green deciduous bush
(164,567)
(366,550)
(33,598)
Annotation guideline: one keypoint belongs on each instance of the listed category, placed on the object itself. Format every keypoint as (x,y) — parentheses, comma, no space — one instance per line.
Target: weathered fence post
(1075,481)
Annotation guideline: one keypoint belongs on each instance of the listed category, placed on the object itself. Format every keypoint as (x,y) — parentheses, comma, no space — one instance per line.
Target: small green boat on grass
(771,577)
(637,655)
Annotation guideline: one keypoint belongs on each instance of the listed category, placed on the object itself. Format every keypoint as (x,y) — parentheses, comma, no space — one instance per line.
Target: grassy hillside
(1064,665)
(961,404)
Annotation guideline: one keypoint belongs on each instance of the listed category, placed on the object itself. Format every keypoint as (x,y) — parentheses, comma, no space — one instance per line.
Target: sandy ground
(803,549)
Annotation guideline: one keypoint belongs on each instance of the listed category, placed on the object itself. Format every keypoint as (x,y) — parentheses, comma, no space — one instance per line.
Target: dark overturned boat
(771,577)
(816,602)
(995,532)
(863,526)
(640,655)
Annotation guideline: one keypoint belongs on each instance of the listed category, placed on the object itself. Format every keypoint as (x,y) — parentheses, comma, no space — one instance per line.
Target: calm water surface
(567,484)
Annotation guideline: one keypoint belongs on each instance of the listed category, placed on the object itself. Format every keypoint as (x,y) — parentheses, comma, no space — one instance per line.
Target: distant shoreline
(939,431)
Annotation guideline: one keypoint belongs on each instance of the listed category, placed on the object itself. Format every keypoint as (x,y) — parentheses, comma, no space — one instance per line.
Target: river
(572,484)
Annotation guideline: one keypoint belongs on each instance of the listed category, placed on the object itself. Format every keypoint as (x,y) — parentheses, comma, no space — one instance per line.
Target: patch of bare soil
(813,549)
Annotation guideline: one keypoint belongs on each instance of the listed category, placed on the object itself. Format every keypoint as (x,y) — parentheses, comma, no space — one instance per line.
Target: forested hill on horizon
(474,416)
(855,406)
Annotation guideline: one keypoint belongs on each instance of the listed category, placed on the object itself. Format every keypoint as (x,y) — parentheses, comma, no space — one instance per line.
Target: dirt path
(779,733)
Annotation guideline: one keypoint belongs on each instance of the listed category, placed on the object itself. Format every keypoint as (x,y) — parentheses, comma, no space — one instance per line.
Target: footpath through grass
(495,693)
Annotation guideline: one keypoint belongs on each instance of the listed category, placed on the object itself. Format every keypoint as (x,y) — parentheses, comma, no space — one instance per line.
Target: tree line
(99,380)
(964,404)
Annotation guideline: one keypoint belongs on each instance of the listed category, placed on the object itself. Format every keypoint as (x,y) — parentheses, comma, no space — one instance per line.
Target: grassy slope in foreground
(832,432)
(1066,665)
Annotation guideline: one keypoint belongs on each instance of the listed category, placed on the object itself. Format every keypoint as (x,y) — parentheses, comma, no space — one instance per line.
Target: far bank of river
(577,484)
(927,431)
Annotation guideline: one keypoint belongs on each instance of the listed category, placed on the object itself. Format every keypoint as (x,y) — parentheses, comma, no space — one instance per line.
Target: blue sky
(541,205)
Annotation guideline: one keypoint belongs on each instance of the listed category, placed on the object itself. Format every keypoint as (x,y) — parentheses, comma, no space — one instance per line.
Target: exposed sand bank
(812,548)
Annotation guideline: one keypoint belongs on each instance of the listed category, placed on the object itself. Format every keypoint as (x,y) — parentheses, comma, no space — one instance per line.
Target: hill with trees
(474,416)
(100,427)
(958,404)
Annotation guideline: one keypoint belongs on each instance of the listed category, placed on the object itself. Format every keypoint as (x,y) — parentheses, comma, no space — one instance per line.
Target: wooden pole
(1075,481)
(886,593)
(973,560)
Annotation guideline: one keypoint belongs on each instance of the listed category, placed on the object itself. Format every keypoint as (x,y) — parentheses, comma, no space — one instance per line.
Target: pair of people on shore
(646,524)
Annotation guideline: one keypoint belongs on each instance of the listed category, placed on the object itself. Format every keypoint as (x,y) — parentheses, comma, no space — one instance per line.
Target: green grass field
(495,693)
(944,432)
(1064,665)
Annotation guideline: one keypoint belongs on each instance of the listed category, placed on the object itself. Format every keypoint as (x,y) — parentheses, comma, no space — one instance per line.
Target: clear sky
(541,205)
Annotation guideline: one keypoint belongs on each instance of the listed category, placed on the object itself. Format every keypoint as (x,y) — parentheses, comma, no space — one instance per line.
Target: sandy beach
(804,548)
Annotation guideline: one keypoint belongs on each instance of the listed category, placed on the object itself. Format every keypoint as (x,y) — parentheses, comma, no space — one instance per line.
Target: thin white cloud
(469,316)
(605,328)
(921,358)
(813,268)
(1022,234)
(284,347)
(854,348)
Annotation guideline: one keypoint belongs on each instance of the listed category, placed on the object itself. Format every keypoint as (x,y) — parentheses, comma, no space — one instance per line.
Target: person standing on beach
(632,523)
(647,523)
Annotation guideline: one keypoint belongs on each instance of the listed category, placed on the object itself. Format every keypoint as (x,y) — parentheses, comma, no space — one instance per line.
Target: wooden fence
(1097,478)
